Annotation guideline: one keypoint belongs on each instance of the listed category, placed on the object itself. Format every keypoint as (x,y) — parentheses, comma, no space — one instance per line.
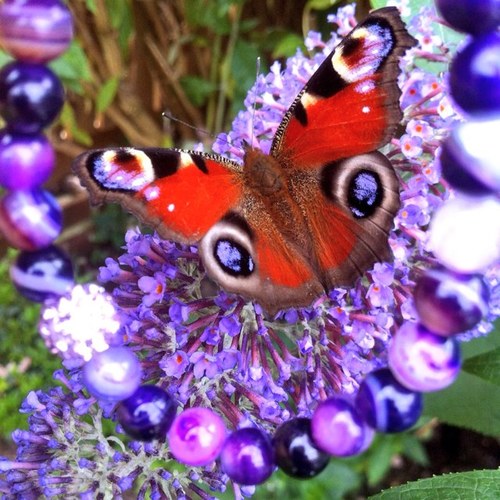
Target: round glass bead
(295,451)
(475,75)
(147,414)
(386,405)
(247,456)
(42,274)
(31,96)
(26,161)
(448,303)
(471,16)
(423,361)
(197,436)
(338,429)
(112,375)
(35,30)
(30,219)
(469,158)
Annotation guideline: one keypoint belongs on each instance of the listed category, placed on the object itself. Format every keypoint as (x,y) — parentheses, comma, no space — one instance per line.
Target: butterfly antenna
(166,115)
(254,106)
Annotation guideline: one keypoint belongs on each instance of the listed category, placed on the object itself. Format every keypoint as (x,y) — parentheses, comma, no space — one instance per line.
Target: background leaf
(485,366)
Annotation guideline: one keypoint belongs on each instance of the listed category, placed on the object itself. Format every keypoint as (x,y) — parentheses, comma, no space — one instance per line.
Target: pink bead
(197,436)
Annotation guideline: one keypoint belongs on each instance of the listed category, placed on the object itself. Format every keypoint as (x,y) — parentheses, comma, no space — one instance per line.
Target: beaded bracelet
(238,359)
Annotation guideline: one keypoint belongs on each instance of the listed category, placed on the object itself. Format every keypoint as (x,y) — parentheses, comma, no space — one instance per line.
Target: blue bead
(471,16)
(386,405)
(42,274)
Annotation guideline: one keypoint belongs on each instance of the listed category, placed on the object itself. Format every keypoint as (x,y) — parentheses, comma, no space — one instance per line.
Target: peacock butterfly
(313,214)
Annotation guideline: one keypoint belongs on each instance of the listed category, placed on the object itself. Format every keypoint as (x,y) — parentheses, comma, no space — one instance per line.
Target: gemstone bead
(35,30)
(147,414)
(112,375)
(42,274)
(31,96)
(295,451)
(475,75)
(338,429)
(30,219)
(448,303)
(197,436)
(386,405)
(247,456)
(423,361)
(469,157)
(26,161)
(471,16)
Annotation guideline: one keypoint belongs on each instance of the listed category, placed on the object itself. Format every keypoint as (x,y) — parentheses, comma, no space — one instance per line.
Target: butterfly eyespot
(364,194)
(233,258)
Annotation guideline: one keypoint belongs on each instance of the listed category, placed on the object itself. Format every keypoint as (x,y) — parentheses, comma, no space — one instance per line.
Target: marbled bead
(247,456)
(147,414)
(385,404)
(338,429)
(197,436)
(42,274)
(448,303)
(35,30)
(112,375)
(26,160)
(30,220)
(423,361)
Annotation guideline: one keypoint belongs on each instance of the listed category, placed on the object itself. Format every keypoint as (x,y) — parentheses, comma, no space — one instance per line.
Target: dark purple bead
(30,220)
(35,30)
(385,404)
(31,96)
(423,361)
(26,161)
(471,16)
(295,452)
(247,456)
(42,274)
(448,303)
(475,75)
(147,414)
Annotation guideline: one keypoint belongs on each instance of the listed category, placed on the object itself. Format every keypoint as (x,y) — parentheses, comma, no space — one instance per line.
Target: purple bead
(386,405)
(338,429)
(26,161)
(31,96)
(35,30)
(30,220)
(475,75)
(147,414)
(423,361)
(112,375)
(471,16)
(42,274)
(448,303)
(247,456)
(295,451)
(197,436)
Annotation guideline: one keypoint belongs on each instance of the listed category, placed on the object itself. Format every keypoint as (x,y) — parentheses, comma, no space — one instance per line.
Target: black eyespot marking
(326,81)
(300,113)
(233,258)
(237,220)
(364,194)
(351,46)
(200,163)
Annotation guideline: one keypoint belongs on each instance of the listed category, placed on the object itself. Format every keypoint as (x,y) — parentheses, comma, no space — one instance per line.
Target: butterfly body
(311,215)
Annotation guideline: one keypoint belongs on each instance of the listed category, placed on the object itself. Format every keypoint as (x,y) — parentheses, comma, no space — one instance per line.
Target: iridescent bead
(295,451)
(338,429)
(448,303)
(471,16)
(112,375)
(35,30)
(26,161)
(423,361)
(197,436)
(30,219)
(31,96)
(385,404)
(42,274)
(247,456)
(147,414)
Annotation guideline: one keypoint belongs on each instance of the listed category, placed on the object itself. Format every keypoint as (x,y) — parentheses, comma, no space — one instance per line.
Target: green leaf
(70,123)
(197,89)
(107,94)
(287,45)
(485,366)
(380,456)
(474,485)
(321,4)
